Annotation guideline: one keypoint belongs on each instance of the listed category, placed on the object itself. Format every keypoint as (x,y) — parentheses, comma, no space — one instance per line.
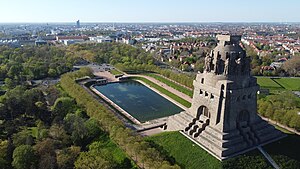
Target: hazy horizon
(144,11)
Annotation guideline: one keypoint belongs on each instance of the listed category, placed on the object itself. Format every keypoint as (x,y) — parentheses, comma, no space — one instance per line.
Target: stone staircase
(196,126)
(222,144)
(179,121)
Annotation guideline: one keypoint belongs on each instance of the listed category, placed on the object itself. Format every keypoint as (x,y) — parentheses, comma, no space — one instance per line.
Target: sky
(47,11)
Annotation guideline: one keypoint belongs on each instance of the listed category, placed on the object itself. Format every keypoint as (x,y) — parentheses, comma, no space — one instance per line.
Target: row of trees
(181,78)
(282,108)
(134,145)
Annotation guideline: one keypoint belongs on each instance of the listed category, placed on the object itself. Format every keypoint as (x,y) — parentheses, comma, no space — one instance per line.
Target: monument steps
(209,144)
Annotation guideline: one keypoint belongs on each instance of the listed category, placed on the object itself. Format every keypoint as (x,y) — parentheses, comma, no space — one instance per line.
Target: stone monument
(223,117)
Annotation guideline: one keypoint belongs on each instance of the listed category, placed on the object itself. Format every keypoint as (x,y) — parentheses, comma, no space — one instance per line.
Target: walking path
(170,89)
(292,130)
(268,157)
(107,75)
(175,82)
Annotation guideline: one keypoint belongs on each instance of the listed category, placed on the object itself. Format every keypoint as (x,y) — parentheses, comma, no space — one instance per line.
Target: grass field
(185,152)
(289,83)
(164,91)
(268,83)
(172,84)
(190,156)
(279,83)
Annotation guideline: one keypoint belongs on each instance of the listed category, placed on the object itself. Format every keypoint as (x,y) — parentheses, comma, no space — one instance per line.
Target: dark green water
(138,100)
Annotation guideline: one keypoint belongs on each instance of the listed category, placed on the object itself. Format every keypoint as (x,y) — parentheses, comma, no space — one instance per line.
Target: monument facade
(223,116)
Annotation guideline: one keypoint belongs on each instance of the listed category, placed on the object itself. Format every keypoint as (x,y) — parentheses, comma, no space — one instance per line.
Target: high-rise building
(77,24)
(223,117)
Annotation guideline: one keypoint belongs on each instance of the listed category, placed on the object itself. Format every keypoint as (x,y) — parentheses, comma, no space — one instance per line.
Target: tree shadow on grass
(250,160)
(163,152)
(288,146)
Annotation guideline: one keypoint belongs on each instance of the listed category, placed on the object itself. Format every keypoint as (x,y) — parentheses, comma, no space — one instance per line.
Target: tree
(262,107)
(92,160)
(32,97)
(14,71)
(23,137)
(287,117)
(292,66)
(52,72)
(66,157)
(75,126)
(58,132)
(9,83)
(3,154)
(47,161)
(93,129)
(24,157)
(14,101)
(45,150)
(295,121)
(63,106)
(278,116)
(270,111)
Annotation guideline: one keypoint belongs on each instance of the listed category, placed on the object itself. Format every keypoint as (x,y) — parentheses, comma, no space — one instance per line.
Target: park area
(292,84)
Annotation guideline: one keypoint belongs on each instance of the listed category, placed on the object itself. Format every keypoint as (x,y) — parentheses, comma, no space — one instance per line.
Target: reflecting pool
(138,100)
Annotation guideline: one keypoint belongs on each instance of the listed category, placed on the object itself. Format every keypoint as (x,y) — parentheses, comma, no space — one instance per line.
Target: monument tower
(223,116)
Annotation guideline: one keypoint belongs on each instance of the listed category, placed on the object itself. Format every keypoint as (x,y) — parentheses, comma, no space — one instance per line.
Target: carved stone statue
(226,66)
(208,63)
(238,66)
(218,64)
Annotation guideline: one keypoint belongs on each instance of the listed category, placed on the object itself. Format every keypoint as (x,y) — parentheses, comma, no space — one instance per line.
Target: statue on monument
(218,64)
(208,63)
(238,66)
(226,66)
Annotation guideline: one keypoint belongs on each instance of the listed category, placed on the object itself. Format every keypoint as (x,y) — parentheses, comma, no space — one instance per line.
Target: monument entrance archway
(203,110)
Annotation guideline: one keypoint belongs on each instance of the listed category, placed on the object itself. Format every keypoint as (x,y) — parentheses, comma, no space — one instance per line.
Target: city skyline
(34,11)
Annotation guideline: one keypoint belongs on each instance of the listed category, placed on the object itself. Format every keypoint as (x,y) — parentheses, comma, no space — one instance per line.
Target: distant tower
(77,24)
(223,116)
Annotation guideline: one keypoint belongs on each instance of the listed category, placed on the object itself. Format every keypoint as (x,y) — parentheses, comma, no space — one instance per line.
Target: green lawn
(164,91)
(172,84)
(289,83)
(185,152)
(268,83)
(190,156)
(115,72)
